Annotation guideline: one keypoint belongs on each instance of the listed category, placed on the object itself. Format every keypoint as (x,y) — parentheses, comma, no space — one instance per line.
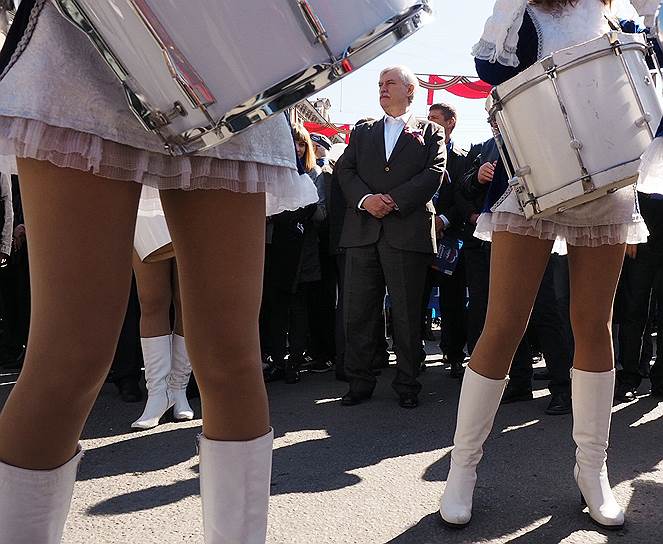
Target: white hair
(407,76)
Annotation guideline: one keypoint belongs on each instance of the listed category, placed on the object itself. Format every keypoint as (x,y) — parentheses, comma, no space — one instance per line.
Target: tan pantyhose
(157,288)
(516,268)
(80,237)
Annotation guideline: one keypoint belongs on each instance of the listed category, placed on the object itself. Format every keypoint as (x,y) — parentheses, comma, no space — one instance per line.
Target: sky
(441,47)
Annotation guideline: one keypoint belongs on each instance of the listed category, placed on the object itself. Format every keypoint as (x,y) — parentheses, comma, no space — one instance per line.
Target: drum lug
(316,27)
(587,184)
(161,119)
(644,120)
(550,67)
(576,144)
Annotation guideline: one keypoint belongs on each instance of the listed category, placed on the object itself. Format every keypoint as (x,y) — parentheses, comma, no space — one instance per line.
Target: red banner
(330,130)
(462,86)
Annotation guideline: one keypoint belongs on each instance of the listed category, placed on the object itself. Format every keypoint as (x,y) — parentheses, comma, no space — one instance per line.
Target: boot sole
(454,526)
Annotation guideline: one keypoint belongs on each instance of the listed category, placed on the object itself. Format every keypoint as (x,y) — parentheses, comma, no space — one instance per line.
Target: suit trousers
(368,270)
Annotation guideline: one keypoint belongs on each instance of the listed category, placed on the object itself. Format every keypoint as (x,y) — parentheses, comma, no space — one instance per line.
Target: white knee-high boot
(180,371)
(34,503)
(157,359)
(479,399)
(592,394)
(234,485)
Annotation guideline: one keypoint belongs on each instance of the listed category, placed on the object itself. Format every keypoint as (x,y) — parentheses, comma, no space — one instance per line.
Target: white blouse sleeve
(624,11)
(499,41)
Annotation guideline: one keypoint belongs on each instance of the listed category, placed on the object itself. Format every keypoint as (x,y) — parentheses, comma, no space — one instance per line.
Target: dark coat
(336,206)
(447,203)
(411,177)
(283,256)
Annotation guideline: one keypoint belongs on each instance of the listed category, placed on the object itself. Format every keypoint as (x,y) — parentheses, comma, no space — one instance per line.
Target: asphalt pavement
(371,473)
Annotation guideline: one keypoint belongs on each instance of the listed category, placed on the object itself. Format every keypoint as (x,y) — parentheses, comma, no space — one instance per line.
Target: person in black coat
(450,224)
(390,171)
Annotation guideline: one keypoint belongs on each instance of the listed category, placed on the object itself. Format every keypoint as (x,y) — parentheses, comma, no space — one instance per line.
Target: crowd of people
(302,318)
(353,248)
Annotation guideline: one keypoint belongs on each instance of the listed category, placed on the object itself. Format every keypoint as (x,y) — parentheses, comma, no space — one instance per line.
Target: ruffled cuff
(651,168)
(485,50)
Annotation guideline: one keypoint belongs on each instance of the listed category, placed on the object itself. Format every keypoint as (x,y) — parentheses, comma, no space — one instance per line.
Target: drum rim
(272,101)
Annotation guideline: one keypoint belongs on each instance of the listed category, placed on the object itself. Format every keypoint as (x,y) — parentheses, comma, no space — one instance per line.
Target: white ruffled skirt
(609,220)
(284,188)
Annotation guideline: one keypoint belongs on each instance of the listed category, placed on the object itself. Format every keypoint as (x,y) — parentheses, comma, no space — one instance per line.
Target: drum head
(162,254)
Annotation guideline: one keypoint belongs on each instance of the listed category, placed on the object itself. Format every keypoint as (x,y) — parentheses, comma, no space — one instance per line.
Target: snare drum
(198,72)
(152,240)
(574,125)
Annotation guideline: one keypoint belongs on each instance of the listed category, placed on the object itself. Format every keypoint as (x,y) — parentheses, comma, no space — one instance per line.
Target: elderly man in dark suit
(391,170)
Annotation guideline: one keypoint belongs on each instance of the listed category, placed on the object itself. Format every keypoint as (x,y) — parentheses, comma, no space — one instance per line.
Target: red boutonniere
(415,133)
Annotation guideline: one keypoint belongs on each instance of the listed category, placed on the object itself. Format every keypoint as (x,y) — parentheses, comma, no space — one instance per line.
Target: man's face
(394,92)
(320,151)
(437,116)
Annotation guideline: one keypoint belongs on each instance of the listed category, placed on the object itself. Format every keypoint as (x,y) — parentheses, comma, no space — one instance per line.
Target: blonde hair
(302,136)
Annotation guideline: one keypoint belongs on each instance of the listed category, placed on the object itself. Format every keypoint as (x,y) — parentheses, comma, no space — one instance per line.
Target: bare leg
(594,275)
(154,292)
(177,300)
(80,270)
(516,268)
(219,243)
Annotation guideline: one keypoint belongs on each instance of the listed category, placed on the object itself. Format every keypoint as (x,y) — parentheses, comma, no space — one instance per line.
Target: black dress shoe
(273,372)
(352,399)
(408,400)
(516,394)
(560,404)
(129,390)
(291,374)
(625,392)
(457,369)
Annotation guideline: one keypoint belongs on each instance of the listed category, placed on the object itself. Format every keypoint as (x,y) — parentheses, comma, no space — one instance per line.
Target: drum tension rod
(320,34)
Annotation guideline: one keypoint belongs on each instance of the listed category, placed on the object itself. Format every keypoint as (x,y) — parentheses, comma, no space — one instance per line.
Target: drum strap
(20,33)
(614,23)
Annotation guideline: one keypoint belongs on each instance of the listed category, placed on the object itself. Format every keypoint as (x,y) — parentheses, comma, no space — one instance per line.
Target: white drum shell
(239,49)
(604,114)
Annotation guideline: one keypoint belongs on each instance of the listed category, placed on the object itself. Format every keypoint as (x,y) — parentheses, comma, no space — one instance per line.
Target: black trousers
(638,278)
(15,294)
(321,305)
(128,360)
(551,329)
(546,322)
(368,270)
(381,356)
(477,274)
(285,320)
(452,309)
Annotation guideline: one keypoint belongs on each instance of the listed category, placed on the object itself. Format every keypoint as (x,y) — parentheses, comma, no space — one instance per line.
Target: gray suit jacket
(411,177)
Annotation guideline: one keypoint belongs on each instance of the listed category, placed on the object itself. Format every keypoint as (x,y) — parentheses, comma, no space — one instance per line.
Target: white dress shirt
(393,126)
